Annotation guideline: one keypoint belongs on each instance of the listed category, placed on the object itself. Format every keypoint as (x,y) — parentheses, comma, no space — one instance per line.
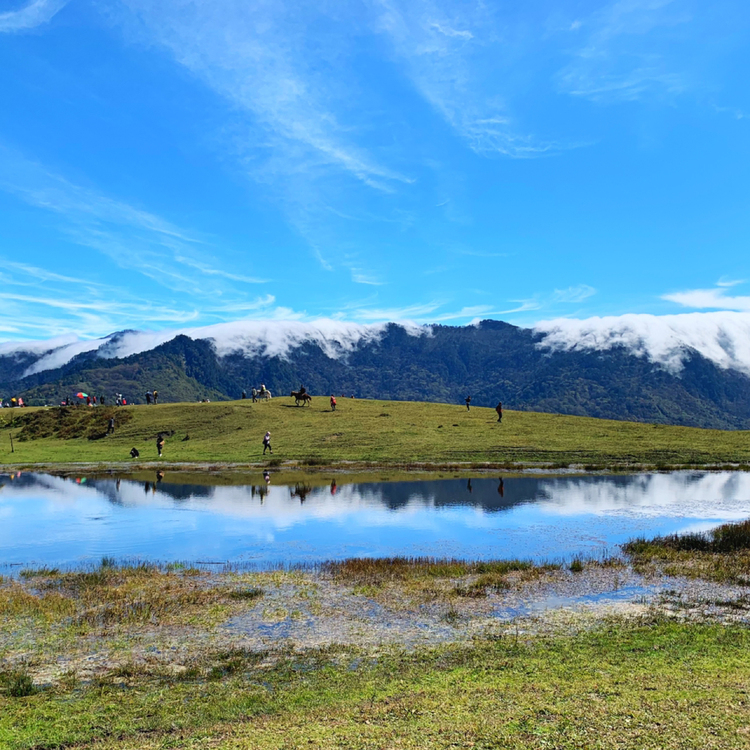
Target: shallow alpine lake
(55,521)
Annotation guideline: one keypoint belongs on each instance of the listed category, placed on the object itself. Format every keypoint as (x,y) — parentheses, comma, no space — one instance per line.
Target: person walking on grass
(333,402)
(468,402)
(499,410)
(111,426)
(267,443)
(160,443)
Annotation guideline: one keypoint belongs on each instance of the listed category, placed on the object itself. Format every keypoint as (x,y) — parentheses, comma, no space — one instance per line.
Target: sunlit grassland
(375,432)
(648,684)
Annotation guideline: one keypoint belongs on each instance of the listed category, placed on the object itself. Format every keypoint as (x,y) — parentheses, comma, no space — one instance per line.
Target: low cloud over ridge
(666,340)
(272,338)
(722,337)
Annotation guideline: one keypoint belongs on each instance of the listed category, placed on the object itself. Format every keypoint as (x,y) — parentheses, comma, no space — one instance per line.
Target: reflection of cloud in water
(53,520)
(680,494)
(685,494)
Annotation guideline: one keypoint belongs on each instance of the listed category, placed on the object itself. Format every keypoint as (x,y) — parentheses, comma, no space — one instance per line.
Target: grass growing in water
(721,554)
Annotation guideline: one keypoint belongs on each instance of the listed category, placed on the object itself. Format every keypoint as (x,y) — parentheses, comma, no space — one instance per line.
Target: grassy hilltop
(367,431)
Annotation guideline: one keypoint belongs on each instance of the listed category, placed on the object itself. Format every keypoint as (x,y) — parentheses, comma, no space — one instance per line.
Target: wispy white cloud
(624,52)
(37,303)
(31,15)
(456,60)
(255,55)
(408,312)
(131,237)
(363,277)
(711,299)
(551,301)
(738,114)
(577,293)
(299,117)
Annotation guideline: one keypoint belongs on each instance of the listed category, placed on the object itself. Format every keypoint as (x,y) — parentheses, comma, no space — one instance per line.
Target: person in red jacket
(333,402)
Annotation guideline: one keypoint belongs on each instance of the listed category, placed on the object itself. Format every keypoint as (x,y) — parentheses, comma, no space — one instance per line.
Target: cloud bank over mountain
(667,340)
(721,337)
(269,338)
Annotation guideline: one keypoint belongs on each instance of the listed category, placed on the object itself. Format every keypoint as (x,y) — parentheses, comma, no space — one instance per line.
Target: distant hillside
(491,361)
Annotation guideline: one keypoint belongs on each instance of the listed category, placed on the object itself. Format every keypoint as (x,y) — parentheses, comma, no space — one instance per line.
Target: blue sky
(177,163)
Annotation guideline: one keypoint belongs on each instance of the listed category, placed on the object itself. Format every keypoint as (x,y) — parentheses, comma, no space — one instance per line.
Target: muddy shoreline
(302,610)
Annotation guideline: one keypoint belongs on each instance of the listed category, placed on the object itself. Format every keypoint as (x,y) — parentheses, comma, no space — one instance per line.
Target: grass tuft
(17,683)
(42,572)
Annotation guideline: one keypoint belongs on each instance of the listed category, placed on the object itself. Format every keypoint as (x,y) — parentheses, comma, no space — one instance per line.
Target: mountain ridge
(490,361)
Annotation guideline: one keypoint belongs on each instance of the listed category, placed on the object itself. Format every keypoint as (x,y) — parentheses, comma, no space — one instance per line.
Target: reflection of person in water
(267,477)
(159,476)
(117,485)
(469,487)
(146,488)
(501,488)
(301,491)
(334,487)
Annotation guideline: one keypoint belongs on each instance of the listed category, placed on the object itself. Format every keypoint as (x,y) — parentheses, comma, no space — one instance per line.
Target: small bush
(576,566)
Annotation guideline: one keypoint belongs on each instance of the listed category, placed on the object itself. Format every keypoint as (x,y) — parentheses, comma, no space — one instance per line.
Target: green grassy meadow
(366,431)
(655,684)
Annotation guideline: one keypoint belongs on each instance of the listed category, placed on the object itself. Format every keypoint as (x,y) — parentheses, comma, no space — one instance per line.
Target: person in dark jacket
(468,402)
(499,410)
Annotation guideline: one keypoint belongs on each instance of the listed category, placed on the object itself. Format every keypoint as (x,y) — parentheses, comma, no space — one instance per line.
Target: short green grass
(652,684)
(436,434)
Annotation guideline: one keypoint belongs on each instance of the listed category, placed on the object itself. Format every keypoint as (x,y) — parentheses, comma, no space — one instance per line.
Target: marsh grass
(423,579)
(721,554)
(112,596)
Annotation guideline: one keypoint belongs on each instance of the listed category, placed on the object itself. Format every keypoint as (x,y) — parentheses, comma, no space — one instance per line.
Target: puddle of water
(47,520)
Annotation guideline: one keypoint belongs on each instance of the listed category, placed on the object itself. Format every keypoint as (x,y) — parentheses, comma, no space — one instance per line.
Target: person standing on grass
(160,443)
(254,394)
(156,396)
(468,402)
(111,426)
(499,410)
(333,402)
(267,443)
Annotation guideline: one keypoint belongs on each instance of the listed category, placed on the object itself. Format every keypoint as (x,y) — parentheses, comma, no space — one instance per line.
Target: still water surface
(55,521)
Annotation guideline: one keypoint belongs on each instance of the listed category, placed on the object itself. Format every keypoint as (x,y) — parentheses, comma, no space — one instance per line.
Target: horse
(305,397)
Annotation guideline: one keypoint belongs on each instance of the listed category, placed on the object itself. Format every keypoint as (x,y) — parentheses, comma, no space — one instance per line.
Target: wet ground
(305,610)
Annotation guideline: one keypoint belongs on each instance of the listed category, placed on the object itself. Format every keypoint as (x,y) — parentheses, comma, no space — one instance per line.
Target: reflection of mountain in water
(640,493)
